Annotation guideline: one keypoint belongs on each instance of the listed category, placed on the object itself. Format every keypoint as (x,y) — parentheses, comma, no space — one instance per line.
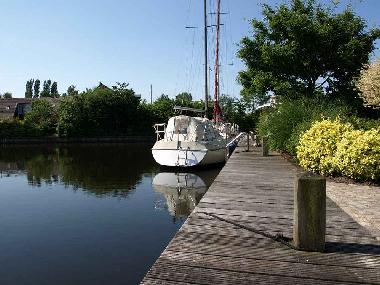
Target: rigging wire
(231,43)
(182,67)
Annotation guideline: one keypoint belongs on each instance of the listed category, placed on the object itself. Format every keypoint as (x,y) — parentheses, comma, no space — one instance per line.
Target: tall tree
(7,95)
(46,89)
(54,90)
(29,88)
(37,84)
(304,49)
(71,91)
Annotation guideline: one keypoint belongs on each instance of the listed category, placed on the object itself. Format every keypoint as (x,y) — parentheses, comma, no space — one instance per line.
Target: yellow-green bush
(358,154)
(317,146)
(334,147)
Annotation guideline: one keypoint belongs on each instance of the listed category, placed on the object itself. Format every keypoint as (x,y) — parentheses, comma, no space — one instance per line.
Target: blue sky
(140,42)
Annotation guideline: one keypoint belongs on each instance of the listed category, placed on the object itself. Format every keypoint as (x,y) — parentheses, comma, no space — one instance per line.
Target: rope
(277,237)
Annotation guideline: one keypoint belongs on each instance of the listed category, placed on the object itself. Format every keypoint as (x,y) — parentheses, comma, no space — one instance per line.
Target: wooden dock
(222,241)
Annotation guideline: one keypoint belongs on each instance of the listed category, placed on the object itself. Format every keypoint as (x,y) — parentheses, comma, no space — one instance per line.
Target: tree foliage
(100,111)
(54,90)
(303,49)
(369,84)
(184,99)
(163,108)
(43,117)
(29,88)
(36,88)
(46,89)
(7,95)
(72,91)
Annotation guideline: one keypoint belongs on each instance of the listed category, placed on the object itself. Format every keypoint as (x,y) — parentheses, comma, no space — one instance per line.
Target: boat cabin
(186,128)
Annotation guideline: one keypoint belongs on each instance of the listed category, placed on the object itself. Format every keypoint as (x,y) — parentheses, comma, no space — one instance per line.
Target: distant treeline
(104,111)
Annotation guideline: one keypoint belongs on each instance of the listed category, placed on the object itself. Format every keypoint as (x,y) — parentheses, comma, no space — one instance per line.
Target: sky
(140,42)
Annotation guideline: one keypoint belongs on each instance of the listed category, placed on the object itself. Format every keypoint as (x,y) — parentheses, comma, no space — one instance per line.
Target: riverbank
(59,140)
(221,242)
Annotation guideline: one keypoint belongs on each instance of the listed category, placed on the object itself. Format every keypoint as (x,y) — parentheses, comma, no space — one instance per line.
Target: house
(18,107)
(14,108)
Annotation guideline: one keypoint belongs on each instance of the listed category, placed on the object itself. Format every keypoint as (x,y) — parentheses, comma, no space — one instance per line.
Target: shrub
(369,84)
(292,143)
(334,147)
(285,124)
(364,123)
(358,154)
(16,129)
(43,117)
(317,146)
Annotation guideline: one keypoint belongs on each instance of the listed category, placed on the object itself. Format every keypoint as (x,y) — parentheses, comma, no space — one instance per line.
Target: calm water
(89,214)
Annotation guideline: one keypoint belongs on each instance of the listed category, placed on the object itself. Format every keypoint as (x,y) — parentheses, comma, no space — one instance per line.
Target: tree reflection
(113,169)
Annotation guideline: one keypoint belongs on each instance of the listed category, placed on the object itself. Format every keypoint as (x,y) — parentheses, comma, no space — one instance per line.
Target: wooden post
(265,146)
(248,141)
(309,212)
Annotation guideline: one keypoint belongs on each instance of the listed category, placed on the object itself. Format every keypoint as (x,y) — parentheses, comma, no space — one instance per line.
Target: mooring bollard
(309,212)
(265,146)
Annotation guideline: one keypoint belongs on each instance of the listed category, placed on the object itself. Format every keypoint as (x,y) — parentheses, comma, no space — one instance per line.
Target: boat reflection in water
(183,190)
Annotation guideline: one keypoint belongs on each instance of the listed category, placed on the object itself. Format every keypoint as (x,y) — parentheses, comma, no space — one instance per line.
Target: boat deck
(222,241)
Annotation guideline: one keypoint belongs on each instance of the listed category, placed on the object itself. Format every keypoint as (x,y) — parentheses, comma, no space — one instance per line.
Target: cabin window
(181,126)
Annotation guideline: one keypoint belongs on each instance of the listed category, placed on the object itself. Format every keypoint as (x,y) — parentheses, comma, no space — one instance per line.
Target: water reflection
(108,170)
(183,190)
(60,209)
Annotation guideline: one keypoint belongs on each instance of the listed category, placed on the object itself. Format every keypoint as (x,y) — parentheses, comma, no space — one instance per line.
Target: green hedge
(17,129)
(284,124)
(325,136)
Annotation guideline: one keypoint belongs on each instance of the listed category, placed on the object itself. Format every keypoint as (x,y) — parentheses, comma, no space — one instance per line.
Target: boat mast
(206,65)
(217,112)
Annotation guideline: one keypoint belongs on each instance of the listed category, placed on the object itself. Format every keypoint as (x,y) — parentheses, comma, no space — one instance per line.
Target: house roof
(8,106)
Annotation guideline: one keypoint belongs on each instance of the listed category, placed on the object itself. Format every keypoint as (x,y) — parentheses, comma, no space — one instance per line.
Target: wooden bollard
(265,146)
(309,212)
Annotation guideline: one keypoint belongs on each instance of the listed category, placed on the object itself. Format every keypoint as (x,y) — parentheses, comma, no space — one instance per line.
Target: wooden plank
(253,192)
(201,275)
(273,267)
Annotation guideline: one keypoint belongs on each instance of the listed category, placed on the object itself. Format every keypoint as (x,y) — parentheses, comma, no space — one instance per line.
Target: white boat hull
(189,157)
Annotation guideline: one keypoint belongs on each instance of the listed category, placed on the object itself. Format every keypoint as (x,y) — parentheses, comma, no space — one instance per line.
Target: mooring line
(277,238)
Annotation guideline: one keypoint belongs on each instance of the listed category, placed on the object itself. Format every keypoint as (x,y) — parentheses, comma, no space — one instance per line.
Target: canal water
(89,214)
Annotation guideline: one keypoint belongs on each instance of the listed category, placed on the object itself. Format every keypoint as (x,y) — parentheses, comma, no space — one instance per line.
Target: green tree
(228,106)
(184,99)
(100,111)
(46,89)
(29,88)
(37,84)
(163,108)
(43,117)
(7,95)
(304,49)
(54,90)
(71,91)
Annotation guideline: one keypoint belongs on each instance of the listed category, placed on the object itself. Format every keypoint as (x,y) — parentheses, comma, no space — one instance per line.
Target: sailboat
(187,141)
